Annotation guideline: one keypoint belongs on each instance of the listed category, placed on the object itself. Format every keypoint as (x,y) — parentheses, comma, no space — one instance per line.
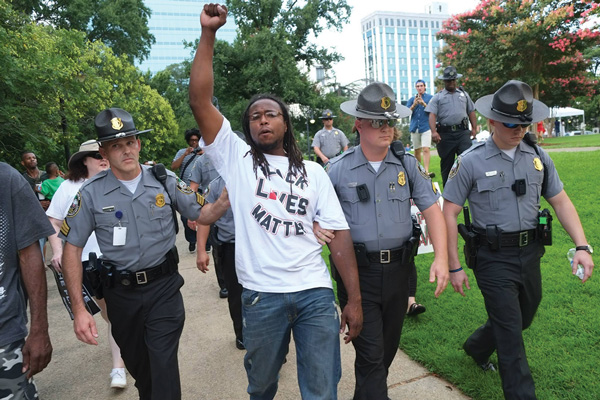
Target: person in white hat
(84,164)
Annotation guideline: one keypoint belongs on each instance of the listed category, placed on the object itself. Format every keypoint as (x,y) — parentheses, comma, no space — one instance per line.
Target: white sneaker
(117,378)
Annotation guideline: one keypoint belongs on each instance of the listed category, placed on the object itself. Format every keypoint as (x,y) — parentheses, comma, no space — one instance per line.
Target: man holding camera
(419,125)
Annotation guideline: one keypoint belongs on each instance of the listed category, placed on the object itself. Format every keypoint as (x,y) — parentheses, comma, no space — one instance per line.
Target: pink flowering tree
(541,42)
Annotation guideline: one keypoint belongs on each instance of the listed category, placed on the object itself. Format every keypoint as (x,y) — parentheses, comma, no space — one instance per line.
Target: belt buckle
(523,238)
(141,278)
(384,257)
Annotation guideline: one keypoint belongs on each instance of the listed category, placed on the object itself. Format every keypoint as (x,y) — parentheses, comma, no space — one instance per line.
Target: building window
(426,73)
(413,61)
(403,73)
(410,23)
(402,49)
(421,23)
(425,61)
(386,22)
(403,22)
(426,24)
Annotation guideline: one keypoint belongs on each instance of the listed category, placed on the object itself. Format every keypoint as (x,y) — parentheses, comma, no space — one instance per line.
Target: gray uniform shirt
(146,214)
(384,220)
(203,172)
(484,175)
(330,142)
(450,108)
(225,225)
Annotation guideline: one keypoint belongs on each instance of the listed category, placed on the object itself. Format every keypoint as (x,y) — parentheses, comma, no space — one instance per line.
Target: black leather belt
(452,128)
(143,277)
(385,256)
(512,239)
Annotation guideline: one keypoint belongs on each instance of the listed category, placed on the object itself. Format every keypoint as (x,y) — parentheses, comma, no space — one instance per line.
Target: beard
(268,147)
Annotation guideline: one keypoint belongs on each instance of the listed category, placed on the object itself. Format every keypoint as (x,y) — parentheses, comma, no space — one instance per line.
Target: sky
(348,42)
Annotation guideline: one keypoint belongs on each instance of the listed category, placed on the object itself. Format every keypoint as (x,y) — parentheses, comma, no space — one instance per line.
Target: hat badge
(521,105)
(116,123)
(329,114)
(386,102)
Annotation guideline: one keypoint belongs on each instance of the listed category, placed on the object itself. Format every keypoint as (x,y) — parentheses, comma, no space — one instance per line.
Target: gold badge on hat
(401,178)
(537,163)
(521,105)
(116,124)
(160,200)
(386,102)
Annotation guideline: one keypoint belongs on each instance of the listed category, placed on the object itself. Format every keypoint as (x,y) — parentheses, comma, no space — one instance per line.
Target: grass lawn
(563,343)
(571,141)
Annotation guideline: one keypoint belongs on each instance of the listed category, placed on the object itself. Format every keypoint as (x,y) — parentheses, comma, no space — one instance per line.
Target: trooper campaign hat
(513,103)
(449,74)
(327,114)
(376,101)
(87,148)
(115,123)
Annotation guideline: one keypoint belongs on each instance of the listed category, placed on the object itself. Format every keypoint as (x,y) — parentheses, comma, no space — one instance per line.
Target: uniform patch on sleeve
(65,228)
(75,206)
(200,199)
(455,168)
(422,171)
(183,187)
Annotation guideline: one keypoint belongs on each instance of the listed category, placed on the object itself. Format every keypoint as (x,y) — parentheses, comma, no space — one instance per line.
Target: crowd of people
(266,213)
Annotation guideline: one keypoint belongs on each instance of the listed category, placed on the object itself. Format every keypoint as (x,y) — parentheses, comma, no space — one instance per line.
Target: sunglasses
(512,126)
(327,119)
(378,123)
(96,156)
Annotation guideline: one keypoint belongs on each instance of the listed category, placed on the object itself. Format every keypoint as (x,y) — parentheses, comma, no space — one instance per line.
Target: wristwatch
(587,248)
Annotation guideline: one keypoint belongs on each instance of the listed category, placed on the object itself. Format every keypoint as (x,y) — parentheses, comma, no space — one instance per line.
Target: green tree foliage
(55,82)
(272,53)
(120,24)
(540,42)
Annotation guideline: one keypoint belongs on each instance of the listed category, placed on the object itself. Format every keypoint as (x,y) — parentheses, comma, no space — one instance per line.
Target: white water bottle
(580,271)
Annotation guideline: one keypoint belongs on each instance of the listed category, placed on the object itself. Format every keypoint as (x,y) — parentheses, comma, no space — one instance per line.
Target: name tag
(119,235)
(491,173)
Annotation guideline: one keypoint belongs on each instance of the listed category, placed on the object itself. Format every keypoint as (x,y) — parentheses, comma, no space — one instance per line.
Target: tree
(540,42)
(120,24)
(55,82)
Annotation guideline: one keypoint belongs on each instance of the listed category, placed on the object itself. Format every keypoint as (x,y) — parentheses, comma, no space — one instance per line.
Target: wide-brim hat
(513,103)
(115,123)
(88,147)
(327,114)
(449,74)
(376,101)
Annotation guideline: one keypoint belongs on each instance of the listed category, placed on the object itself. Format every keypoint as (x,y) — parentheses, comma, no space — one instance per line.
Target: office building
(172,22)
(401,48)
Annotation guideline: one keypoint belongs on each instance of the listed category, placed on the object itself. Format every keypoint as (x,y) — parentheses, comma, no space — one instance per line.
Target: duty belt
(143,277)
(512,239)
(385,256)
(452,128)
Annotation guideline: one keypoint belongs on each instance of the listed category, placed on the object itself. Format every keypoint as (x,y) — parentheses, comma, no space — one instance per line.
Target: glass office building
(172,22)
(401,48)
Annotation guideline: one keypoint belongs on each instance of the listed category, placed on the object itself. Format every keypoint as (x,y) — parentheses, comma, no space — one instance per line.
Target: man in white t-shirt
(275,197)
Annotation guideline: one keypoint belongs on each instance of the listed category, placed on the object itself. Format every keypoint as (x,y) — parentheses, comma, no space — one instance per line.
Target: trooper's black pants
(511,283)
(451,145)
(147,322)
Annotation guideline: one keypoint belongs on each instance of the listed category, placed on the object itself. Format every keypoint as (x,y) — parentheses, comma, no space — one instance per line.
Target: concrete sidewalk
(211,367)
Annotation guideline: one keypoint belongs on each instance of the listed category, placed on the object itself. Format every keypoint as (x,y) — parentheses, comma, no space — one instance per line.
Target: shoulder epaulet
(344,154)
(472,148)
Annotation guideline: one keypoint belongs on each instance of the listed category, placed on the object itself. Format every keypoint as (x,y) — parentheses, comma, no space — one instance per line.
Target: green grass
(571,141)
(563,343)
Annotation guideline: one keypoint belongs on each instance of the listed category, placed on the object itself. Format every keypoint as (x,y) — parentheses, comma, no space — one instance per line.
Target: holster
(93,274)
(360,250)
(471,245)
(544,227)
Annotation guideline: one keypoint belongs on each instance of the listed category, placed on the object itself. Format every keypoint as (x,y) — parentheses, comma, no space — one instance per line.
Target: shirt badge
(160,200)
(537,163)
(401,178)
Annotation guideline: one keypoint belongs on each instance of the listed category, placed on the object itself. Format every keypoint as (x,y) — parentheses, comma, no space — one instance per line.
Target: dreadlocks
(296,164)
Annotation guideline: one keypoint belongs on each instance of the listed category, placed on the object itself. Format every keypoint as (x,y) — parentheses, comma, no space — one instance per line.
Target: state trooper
(131,210)
(504,179)
(450,112)
(375,184)
(329,141)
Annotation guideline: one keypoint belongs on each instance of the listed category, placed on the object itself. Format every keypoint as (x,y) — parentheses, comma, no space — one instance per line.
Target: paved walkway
(211,367)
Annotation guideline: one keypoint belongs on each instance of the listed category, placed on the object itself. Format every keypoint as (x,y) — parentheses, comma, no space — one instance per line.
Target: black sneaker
(192,247)
(223,293)
(239,344)
(485,365)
